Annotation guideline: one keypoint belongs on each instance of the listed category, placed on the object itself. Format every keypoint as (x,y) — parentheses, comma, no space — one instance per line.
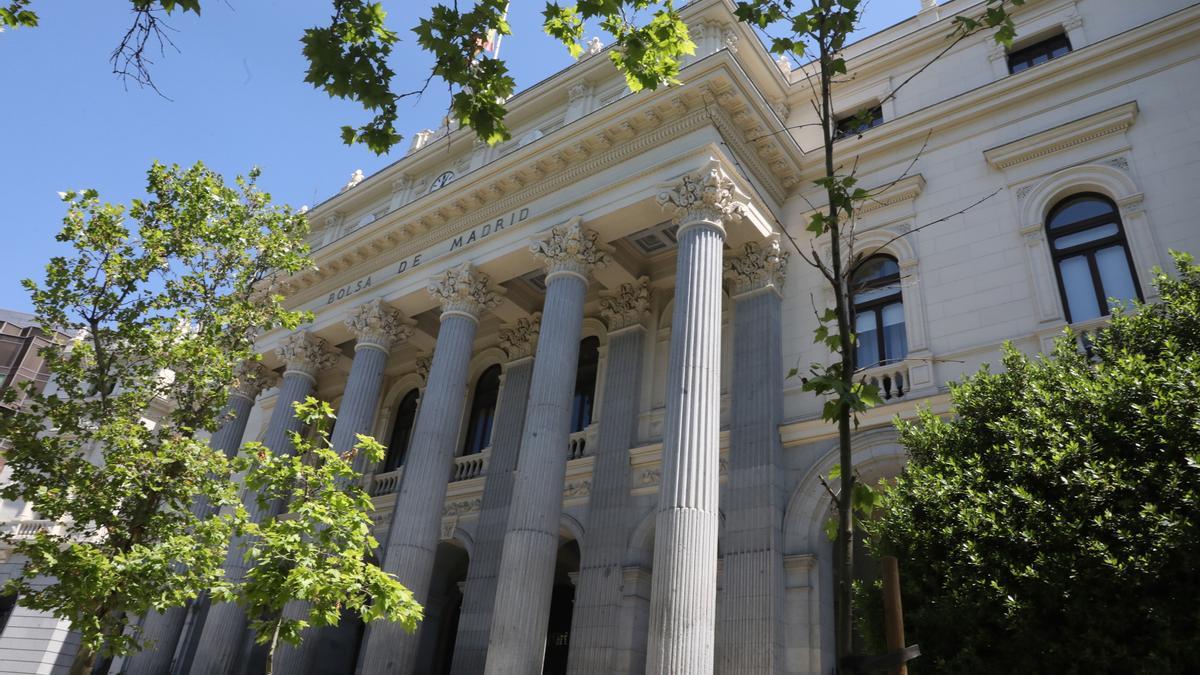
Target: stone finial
(927,5)
(570,249)
(591,47)
(784,63)
(758,267)
(708,195)
(355,178)
(464,290)
(377,324)
(423,364)
(627,305)
(306,353)
(519,339)
(250,378)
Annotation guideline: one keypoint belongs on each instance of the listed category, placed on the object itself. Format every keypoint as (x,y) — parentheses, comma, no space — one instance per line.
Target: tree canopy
(1053,524)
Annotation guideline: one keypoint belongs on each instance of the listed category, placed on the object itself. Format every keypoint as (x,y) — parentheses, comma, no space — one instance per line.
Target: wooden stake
(893,612)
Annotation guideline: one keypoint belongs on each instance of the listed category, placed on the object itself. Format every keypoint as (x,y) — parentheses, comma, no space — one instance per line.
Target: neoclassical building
(575,344)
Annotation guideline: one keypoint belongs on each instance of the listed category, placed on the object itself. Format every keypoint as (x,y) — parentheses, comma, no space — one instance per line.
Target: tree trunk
(269,670)
(85,660)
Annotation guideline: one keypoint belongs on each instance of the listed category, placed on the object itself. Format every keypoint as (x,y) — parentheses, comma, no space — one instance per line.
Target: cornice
(1101,57)
(1111,121)
(608,138)
(904,190)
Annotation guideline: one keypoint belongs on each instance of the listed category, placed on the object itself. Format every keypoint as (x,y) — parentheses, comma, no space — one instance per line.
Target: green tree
(165,298)
(1053,524)
(318,551)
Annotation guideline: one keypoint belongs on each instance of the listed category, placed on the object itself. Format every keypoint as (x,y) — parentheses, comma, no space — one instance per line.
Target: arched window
(878,312)
(585,383)
(483,411)
(406,418)
(1087,243)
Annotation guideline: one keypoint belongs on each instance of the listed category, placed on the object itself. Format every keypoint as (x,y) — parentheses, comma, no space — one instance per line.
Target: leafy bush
(1053,525)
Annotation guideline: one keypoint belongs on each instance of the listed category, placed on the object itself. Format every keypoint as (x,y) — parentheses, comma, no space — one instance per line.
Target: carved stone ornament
(250,378)
(708,196)
(376,323)
(519,340)
(570,249)
(578,91)
(465,291)
(423,364)
(306,353)
(627,306)
(758,267)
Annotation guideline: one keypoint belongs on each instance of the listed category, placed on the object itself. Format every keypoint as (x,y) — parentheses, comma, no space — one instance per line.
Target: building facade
(576,344)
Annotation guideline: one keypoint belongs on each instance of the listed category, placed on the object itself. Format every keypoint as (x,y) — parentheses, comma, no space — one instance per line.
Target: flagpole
(499,35)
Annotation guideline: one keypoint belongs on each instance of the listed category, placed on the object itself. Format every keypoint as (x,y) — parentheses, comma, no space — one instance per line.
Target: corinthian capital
(465,290)
(306,353)
(377,324)
(250,378)
(758,267)
(519,339)
(627,305)
(570,249)
(707,196)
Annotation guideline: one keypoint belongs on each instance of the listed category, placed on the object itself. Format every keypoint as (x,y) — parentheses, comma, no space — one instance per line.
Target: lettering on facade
(444,247)
(349,290)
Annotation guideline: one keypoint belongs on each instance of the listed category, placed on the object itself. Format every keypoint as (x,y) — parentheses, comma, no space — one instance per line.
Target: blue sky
(237,99)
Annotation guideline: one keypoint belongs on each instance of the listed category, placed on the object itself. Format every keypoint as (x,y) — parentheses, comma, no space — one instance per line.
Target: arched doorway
(562,607)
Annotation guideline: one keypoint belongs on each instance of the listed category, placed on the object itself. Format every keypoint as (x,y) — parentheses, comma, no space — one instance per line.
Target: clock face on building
(441,181)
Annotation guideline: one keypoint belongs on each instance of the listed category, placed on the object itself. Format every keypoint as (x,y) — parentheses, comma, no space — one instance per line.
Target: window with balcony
(406,419)
(1091,257)
(860,122)
(878,312)
(483,411)
(585,384)
(1038,53)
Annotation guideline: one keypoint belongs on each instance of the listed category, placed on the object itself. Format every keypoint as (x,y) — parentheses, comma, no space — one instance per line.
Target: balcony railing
(384,483)
(577,444)
(470,466)
(25,529)
(892,380)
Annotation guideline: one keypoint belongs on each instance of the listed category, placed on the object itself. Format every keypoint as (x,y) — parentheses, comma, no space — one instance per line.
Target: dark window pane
(585,384)
(406,417)
(1114,274)
(1038,53)
(1079,209)
(895,341)
(483,411)
(866,327)
(1078,287)
(859,122)
(1090,234)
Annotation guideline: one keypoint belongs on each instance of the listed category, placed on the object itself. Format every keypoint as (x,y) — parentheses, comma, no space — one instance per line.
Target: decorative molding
(570,249)
(422,365)
(759,267)
(465,291)
(250,378)
(1111,121)
(579,488)
(519,339)
(904,190)
(627,306)
(375,323)
(1023,192)
(708,196)
(307,354)
(462,507)
(1121,163)
(578,91)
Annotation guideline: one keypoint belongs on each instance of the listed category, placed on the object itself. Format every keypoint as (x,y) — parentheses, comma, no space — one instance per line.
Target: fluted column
(683,594)
(526,581)
(465,294)
(596,622)
(377,328)
(749,627)
(161,631)
(479,591)
(221,640)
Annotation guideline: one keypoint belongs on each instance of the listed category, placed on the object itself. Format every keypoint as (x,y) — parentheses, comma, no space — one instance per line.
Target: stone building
(575,344)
